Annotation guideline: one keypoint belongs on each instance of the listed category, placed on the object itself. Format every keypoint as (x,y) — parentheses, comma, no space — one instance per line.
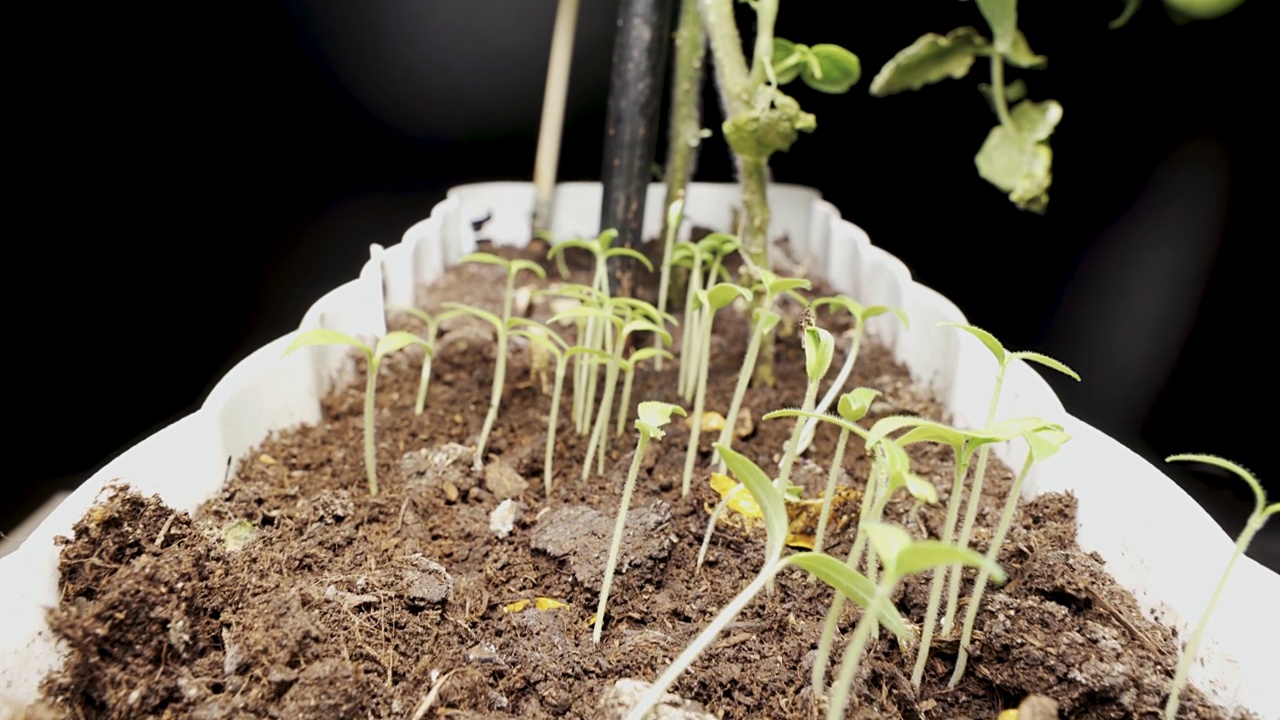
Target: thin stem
(980,585)
(690,346)
(789,456)
(1255,523)
(552,421)
(664,281)
(766,18)
(654,694)
(853,653)
(711,527)
(552,126)
(499,371)
(421,403)
(740,390)
(370,448)
(833,392)
(834,475)
(940,572)
(618,527)
(624,410)
(602,421)
(699,402)
(997,90)
(971,511)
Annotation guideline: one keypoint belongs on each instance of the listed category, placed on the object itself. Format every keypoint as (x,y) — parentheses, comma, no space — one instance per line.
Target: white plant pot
(1155,539)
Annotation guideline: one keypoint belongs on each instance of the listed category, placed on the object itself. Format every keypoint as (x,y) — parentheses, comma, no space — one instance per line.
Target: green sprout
(964,444)
(819,349)
(433,328)
(1261,513)
(501,327)
(1003,358)
(839,576)
(711,301)
(671,226)
(1015,157)
(900,556)
(629,374)
(551,342)
(764,319)
(705,260)
(653,417)
(1042,444)
(860,317)
(585,296)
(386,345)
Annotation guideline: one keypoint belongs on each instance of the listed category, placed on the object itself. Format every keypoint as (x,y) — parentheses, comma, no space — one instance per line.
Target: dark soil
(295,594)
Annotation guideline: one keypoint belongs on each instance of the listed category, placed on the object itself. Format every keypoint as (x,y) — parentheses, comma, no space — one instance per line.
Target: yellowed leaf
(543,603)
(516,606)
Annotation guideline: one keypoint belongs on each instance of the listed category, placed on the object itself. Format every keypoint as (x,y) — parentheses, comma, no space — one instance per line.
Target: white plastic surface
(1156,541)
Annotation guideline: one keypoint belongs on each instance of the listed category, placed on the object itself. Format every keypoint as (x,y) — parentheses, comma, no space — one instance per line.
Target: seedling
(711,301)
(763,320)
(1003,358)
(705,261)
(819,348)
(1261,513)
(671,226)
(860,317)
(500,326)
(759,118)
(900,556)
(1042,444)
(387,344)
(844,579)
(551,342)
(653,417)
(964,444)
(433,328)
(1015,157)
(629,374)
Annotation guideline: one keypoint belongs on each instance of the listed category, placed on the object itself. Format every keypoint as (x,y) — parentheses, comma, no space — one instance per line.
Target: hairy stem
(615,546)
(832,477)
(939,573)
(552,420)
(789,456)
(700,397)
(833,392)
(997,90)
(370,447)
(853,653)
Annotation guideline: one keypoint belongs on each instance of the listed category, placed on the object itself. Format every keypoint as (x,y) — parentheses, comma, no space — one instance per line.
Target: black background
(191,177)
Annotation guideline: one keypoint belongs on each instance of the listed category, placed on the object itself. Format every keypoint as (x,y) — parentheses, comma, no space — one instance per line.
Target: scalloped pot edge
(1155,539)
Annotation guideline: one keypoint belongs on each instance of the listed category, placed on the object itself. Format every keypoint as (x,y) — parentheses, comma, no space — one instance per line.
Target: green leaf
(396,340)
(586,312)
(875,310)
(985,337)
(1046,361)
(1002,16)
(1020,54)
(854,404)
(589,245)
(606,238)
(796,412)
(853,585)
(900,474)
(766,319)
(628,252)
(485,315)
(722,295)
(653,415)
(819,349)
(323,336)
(1018,159)
(634,326)
(922,430)
(788,59)
(772,506)
(888,541)
(923,555)
(718,243)
(928,60)
(1130,8)
(1045,443)
(837,69)
(1259,494)
(541,338)
(648,353)
(533,267)
(1201,9)
(760,133)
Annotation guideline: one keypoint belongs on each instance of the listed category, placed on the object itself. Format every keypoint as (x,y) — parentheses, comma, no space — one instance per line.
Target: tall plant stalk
(551,129)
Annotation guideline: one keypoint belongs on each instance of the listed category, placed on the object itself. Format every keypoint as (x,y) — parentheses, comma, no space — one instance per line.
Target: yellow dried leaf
(543,603)
(1008,715)
(516,606)
(712,421)
(739,498)
(266,459)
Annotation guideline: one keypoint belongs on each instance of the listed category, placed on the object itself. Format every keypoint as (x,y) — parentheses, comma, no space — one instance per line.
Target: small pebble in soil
(503,518)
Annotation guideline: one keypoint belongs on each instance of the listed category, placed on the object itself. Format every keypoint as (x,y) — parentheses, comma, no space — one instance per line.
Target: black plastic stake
(631,131)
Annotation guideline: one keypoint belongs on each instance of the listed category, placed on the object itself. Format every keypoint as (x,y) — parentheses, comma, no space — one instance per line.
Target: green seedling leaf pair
(860,315)
(1015,157)
(501,326)
(653,417)
(819,349)
(705,262)
(766,290)
(386,345)
(1257,519)
(432,323)
(823,67)
(710,301)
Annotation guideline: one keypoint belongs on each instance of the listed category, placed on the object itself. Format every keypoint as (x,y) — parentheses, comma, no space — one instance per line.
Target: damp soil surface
(295,594)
